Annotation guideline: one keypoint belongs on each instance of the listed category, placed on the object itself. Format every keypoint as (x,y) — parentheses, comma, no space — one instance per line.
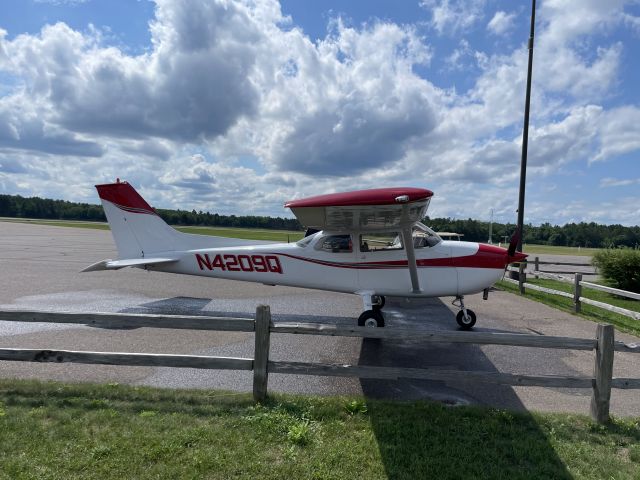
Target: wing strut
(407,237)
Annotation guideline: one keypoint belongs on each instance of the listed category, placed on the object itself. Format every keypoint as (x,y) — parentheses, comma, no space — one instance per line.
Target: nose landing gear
(372,315)
(466,318)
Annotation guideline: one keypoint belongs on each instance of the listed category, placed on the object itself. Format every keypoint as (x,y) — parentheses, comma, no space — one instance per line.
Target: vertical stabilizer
(136,227)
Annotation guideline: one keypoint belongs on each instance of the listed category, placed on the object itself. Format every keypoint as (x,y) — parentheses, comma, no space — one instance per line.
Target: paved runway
(40,270)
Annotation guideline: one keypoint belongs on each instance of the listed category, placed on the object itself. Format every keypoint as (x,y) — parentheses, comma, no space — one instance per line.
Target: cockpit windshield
(424,237)
(307,240)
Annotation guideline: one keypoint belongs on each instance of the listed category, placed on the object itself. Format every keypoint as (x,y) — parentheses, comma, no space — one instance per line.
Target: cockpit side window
(336,244)
(380,241)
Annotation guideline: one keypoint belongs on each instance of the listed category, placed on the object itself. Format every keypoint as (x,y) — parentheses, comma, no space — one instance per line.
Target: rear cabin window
(336,244)
(380,242)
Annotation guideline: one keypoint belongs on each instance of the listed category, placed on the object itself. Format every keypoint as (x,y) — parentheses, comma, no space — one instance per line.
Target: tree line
(44,208)
(582,234)
(572,234)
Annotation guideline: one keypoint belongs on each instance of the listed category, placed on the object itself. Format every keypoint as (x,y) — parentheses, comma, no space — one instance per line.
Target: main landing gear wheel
(371,318)
(466,323)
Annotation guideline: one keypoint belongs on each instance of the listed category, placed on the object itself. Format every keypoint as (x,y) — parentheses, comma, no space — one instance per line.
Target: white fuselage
(449,268)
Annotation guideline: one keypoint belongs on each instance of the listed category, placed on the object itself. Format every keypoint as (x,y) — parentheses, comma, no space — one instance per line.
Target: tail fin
(139,232)
(136,227)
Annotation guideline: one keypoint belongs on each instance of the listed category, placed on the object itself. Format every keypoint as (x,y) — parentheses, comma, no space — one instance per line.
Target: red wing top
(376,196)
(363,209)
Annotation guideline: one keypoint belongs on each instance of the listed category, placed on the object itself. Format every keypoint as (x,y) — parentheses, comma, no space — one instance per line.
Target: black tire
(466,323)
(371,318)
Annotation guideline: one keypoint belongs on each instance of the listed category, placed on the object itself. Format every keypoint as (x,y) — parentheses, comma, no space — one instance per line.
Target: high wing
(361,210)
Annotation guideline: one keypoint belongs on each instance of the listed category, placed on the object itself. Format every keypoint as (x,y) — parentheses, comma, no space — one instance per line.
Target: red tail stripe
(125,197)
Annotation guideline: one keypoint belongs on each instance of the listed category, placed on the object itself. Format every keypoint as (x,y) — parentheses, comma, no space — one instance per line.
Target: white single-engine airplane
(367,242)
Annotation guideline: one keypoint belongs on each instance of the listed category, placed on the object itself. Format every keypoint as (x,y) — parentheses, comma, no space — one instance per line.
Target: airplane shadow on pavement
(436,439)
(201,307)
(432,315)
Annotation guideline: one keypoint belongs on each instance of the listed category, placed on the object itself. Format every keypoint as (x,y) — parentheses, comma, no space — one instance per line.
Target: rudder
(136,227)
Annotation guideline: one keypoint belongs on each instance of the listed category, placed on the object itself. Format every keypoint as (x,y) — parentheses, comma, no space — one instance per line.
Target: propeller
(511,251)
(513,243)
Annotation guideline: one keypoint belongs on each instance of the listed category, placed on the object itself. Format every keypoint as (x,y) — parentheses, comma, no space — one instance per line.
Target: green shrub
(619,267)
(300,433)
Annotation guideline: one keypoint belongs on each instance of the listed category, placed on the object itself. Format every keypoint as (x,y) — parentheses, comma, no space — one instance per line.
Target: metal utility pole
(525,132)
(491,228)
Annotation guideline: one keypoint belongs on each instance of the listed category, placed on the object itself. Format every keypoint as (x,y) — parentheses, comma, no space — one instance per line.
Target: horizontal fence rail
(578,285)
(133,320)
(391,373)
(540,289)
(553,276)
(615,291)
(480,338)
(568,264)
(611,308)
(539,272)
(604,345)
(130,359)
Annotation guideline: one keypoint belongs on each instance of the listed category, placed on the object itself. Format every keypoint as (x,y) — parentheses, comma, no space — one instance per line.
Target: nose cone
(488,256)
(517,257)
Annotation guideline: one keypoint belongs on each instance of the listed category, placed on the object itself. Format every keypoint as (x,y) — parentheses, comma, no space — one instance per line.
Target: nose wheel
(371,318)
(372,315)
(466,322)
(466,318)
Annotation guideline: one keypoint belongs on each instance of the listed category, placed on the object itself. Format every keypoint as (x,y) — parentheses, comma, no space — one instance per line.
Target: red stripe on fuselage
(487,256)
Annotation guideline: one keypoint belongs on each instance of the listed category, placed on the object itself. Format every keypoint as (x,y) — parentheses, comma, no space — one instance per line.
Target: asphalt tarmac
(39,270)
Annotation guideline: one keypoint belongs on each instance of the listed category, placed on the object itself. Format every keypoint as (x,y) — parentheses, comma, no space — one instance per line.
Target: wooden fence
(537,262)
(602,381)
(578,285)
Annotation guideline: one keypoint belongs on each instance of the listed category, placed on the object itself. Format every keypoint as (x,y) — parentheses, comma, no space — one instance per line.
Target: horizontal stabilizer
(132,262)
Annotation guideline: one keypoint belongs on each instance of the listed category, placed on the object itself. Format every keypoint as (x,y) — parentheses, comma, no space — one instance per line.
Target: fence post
(261,354)
(536,263)
(577,292)
(603,372)
(521,277)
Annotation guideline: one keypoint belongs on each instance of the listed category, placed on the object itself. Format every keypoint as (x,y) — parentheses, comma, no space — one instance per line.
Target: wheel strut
(466,318)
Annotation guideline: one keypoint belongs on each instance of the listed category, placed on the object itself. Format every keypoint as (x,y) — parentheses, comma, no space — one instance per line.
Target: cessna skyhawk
(368,242)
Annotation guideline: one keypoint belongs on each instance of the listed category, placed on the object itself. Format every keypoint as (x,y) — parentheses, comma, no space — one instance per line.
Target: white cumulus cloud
(233,108)
(501,22)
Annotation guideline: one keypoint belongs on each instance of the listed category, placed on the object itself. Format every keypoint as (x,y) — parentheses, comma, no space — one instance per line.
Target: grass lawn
(57,431)
(625,324)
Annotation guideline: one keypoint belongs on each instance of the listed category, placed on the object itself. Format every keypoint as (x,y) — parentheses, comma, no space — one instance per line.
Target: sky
(237,106)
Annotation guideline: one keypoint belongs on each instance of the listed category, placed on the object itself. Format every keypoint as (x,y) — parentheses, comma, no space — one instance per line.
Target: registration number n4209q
(240,263)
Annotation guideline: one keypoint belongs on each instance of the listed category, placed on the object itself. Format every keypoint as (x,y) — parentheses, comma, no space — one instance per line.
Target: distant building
(450,235)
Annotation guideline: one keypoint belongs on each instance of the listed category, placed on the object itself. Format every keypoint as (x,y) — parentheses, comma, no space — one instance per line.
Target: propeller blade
(513,243)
